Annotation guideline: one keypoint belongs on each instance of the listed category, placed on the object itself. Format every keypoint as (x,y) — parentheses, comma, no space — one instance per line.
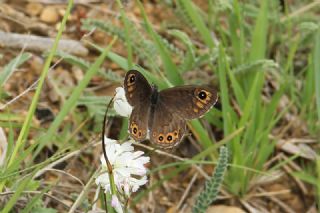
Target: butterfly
(161,116)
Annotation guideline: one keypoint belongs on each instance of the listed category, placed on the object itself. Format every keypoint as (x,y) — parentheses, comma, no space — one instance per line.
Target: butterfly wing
(174,106)
(138,122)
(138,93)
(137,88)
(166,127)
(189,102)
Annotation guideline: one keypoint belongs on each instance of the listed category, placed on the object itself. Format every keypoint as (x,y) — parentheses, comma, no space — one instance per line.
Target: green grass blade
(318,179)
(21,186)
(200,133)
(259,37)
(198,22)
(259,46)
(83,193)
(224,92)
(224,141)
(250,104)
(236,33)
(118,59)
(33,202)
(308,178)
(74,60)
(316,62)
(12,65)
(309,84)
(127,34)
(237,89)
(170,68)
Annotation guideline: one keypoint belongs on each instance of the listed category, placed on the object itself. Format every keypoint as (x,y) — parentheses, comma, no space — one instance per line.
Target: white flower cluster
(127,164)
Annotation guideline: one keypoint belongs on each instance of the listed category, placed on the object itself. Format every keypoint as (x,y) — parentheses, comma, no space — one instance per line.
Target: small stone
(34,9)
(49,15)
(224,209)
(99,36)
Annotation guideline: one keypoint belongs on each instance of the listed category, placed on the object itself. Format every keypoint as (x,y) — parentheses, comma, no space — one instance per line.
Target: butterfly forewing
(189,102)
(138,93)
(137,89)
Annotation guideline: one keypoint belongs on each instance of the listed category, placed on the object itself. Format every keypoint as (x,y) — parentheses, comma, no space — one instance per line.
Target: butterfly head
(154,94)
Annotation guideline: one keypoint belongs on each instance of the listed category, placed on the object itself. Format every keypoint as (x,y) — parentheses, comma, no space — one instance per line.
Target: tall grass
(14,158)
(245,46)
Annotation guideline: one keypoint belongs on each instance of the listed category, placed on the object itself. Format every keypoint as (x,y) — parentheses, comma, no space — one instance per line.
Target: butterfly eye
(202,95)
(132,79)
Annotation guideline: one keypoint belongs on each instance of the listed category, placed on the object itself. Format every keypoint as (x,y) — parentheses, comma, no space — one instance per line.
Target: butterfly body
(162,115)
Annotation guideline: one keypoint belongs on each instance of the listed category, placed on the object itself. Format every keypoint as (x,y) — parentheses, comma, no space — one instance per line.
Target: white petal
(127,189)
(120,104)
(103,181)
(120,93)
(115,203)
(127,146)
(109,141)
(138,154)
(123,172)
(136,183)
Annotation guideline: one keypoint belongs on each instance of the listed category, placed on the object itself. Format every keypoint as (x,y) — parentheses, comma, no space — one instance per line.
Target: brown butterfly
(162,115)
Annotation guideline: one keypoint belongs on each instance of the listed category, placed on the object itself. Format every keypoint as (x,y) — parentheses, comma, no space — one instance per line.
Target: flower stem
(109,166)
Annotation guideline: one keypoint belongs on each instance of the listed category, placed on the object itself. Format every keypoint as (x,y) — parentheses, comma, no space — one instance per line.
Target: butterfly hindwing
(138,122)
(166,128)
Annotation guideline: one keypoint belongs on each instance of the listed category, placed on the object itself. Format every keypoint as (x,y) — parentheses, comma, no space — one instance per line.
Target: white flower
(115,203)
(128,167)
(121,104)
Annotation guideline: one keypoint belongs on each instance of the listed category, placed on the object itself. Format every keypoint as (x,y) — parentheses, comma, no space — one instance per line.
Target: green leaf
(211,190)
